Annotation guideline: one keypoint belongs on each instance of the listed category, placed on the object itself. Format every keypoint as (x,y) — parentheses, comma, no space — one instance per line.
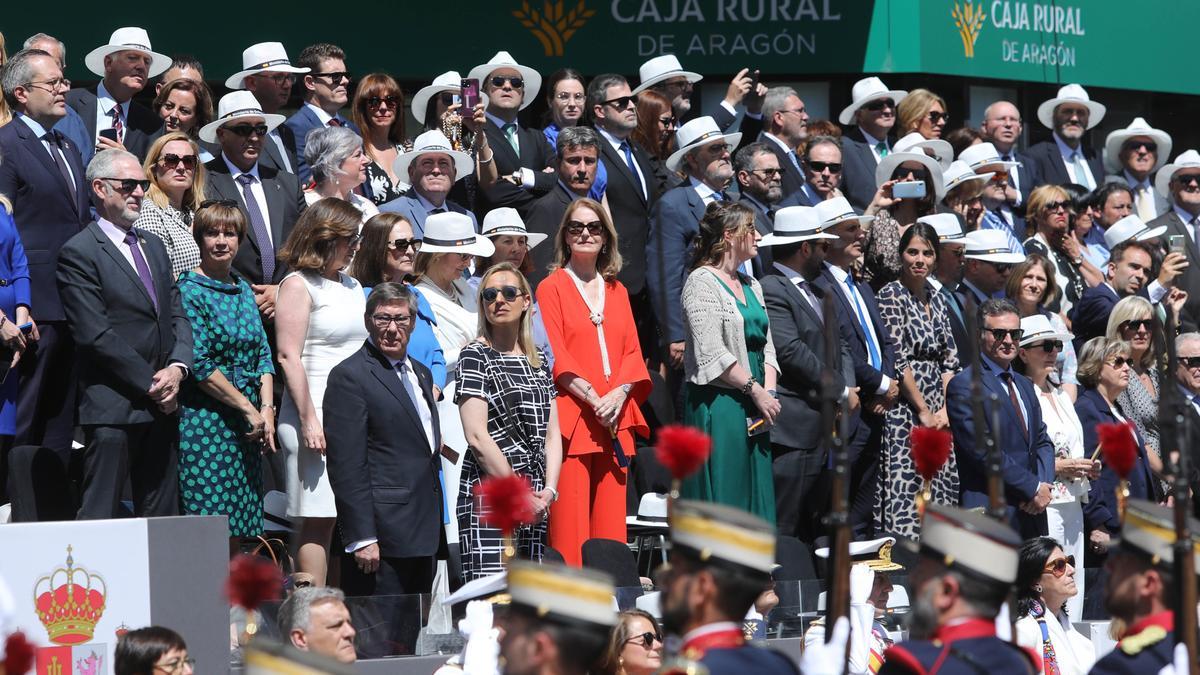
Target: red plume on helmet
(506,502)
(19,654)
(930,450)
(253,580)
(1119,446)
(682,449)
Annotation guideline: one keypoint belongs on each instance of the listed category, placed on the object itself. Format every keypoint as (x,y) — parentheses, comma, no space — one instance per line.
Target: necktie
(510,132)
(882,149)
(55,142)
(1081,173)
(795,160)
(632,167)
(259,225)
(1195,223)
(118,124)
(812,299)
(873,356)
(139,263)
(1144,200)
(334,122)
(1016,402)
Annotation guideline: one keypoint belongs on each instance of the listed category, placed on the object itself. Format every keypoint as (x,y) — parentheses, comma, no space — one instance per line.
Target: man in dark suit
(578,155)
(873,112)
(44,177)
(271,199)
(1187,375)
(871,346)
(948,271)
(987,262)
(821,173)
(71,126)
(1128,273)
(432,167)
(798,325)
(125,65)
(382,424)
(1028,467)
(1001,127)
(133,347)
(267,73)
(785,126)
(1064,158)
(758,175)
(326,91)
(1181,181)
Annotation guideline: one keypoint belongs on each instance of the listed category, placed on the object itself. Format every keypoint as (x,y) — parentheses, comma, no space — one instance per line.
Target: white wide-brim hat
(990,246)
(866,90)
(941,150)
(1138,127)
(1036,328)
(1188,159)
(264,57)
(453,232)
(794,224)
(960,173)
(430,142)
(1070,93)
(126,39)
(1130,227)
(661,68)
(983,154)
(234,106)
(883,172)
(838,210)
(947,225)
(502,59)
(506,221)
(695,133)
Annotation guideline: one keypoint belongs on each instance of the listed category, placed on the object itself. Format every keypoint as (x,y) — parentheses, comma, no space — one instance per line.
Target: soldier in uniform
(870,586)
(968,565)
(721,560)
(1140,588)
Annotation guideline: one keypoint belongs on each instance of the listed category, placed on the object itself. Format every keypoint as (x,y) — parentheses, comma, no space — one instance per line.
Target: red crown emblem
(70,610)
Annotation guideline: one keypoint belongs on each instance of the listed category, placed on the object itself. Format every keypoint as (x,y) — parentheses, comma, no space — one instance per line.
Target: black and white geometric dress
(519,397)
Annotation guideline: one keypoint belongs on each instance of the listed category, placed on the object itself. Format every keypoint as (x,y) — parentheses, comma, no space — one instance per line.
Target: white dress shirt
(839,275)
(616,145)
(321,114)
(256,189)
(104,105)
(1068,157)
(873,143)
(795,277)
(117,234)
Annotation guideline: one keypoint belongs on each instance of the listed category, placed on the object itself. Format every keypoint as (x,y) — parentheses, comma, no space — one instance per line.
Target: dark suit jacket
(285,202)
(536,155)
(958,321)
(631,210)
(271,156)
(1190,279)
(1101,508)
(301,124)
(674,224)
(793,177)
(798,198)
(858,170)
(764,222)
(411,208)
(1089,316)
(1048,165)
(750,127)
(545,217)
(383,473)
(799,337)
(866,378)
(1027,461)
(139,127)
(121,340)
(43,208)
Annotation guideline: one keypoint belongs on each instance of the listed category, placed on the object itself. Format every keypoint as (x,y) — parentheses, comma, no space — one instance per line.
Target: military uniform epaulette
(1145,648)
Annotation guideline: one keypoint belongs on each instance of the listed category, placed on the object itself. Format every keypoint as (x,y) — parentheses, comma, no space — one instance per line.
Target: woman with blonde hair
(921,111)
(1031,286)
(177,178)
(505,396)
(1050,209)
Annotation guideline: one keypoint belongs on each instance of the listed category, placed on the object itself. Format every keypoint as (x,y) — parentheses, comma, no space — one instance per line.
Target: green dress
(738,472)
(220,470)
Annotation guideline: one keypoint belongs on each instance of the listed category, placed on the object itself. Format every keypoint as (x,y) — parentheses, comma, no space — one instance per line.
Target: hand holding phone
(469,94)
(909,189)
(1176,243)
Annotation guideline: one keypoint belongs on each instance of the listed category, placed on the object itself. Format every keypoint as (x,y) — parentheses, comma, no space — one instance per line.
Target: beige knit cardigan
(714,329)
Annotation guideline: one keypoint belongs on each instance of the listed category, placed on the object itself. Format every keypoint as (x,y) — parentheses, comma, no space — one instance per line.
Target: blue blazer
(866,378)
(674,224)
(14,269)
(45,212)
(410,207)
(1101,509)
(1027,462)
(799,197)
(300,124)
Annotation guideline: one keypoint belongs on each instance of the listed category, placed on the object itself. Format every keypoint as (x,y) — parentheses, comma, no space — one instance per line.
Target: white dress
(335,331)
(1065,513)
(457,325)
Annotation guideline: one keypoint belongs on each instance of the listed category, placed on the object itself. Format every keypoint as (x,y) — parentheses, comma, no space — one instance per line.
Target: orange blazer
(577,350)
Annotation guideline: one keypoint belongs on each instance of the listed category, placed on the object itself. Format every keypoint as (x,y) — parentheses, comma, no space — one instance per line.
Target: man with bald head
(1002,128)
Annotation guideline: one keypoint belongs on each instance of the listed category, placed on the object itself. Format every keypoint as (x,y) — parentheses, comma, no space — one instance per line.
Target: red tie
(117,125)
(1012,394)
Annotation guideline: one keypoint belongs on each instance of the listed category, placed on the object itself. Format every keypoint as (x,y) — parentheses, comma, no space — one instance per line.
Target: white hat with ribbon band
(837,210)
(1071,93)
(1036,328)
(431,142)
(866,90)
(695,133)
(264,57)
(234,106)
(1130,227)
(948,227)
(453,232)
(502,59)
(662,68)
(1188,159)
(794,224)
(506,221)
(990,246)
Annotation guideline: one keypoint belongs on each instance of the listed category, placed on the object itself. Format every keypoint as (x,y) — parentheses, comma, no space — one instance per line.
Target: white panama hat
(1138,127)
(430,142)
(888,165)
(961,173)
(794,224)
(1036,327)
(990,246)
(838,210)
(502,59)
(453,232)
(506,221)
(948,227)
(1070,93)
(695,133)
(1188,159)
(866,90)
(941,150)
(234,106)
(264,57)
(1130,227)
(662,68)
(126,39)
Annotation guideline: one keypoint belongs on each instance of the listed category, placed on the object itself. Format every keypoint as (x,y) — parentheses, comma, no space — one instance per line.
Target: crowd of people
(221,299)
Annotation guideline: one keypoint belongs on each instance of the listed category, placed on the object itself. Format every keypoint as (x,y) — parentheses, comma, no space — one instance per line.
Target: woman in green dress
(226,417)
(729,364)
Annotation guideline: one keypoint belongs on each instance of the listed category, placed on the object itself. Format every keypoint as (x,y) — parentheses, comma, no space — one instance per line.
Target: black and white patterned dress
(519,397)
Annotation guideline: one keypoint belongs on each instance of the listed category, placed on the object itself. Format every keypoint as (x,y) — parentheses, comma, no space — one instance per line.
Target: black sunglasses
(247,130)
(1065,205)
(1048,346)
(128,185)
(1120,362)
(402,245)
(880,104)
(917,174)
(575,228)
(499,80)
(1002,268)
(1150,146)
(375,101)
(1186,178)
(647,639)
(1137,324)
(770,173)
(171,160)
(667,121)
(510,293)
(621,102)
(335,77)
(1000,333)
(819,167)
(935,116)
(447,98)
(1190,361)
(229,203)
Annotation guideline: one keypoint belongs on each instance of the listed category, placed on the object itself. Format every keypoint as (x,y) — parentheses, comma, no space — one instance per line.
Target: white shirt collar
(1186,217)
(937,285)
(321,114)
(390,359)
(428,205)
(499,122)
(235,172)
(871,140)
(792,275)
(107,102)
(1133,184)
(838,273)
(612,140)
(703,189)
(38,129)
(776,140)
(993,365)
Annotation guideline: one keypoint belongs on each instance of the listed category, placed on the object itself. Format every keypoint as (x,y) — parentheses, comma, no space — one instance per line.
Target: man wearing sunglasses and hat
(268,74)
(873,114)
(1132,155)
(326,91)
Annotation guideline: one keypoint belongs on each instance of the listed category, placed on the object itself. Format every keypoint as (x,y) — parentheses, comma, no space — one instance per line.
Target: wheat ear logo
(969,20)
(553,26)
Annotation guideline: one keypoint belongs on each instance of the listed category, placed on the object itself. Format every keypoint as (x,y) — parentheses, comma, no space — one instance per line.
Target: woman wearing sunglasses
(177,178)
(378,110)
(1046,583)
(655,132)
(895,214)
(1104,368)
(1032,286)
(635,646)
(921,111)
(438,107)
(1041,344)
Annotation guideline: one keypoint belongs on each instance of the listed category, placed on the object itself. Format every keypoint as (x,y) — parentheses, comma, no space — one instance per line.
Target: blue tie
(872,349)
(632,166)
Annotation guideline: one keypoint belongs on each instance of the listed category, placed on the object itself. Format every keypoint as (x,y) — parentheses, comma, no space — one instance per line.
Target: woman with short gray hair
(339,165)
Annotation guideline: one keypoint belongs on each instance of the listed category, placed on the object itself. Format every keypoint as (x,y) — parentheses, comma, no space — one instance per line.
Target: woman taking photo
(964,190)
(378,111)
(1049,210)
(729,365)
(177,178)
(635,646)
(185,105)
(601,378)
(437,107)
(1046,583)
(318,324)
(566,98)
(226,411)
(1041,343)
(894,215)
(505,398)
(338,163)
(926,358)
(1031,285)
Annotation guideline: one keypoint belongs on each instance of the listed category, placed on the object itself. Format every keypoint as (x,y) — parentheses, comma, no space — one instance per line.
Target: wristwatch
(1077,262)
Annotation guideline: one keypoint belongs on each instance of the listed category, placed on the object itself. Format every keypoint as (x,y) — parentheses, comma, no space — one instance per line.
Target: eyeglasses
(1186,178)
(176,666)
(247,130)
(402,245)
(621,102)
(1049,346)
(880,104)
(820,167)
(510,293)
(576,228)
(376,101)
(647,639)
(1120,362)
(341,76)
(770,173)
(54,85)
(354,239)
(1150,146)
(171,160)
(798,111)
(382,321)
(668,121)
(1065,205)
(1137,324)
(1059,567)
(1000,333)
(228,203)
(128,185)
(1190,361)
(936,117)
(499,80)
(718,148)
(1002,268)
(279,79)
(564,97)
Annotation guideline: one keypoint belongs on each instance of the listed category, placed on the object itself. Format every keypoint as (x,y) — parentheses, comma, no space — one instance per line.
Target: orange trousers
(591,501)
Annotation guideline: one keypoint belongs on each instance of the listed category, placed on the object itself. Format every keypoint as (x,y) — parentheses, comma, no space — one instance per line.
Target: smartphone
(909,189)
(1176,243)
(110,134)
(469,93)
(756,426)
(26,327)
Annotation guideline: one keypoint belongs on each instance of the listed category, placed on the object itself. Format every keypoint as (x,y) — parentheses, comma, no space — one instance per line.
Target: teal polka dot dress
(220,471)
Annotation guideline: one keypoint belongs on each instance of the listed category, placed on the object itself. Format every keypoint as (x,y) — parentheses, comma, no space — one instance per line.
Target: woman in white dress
(1046,582)
(449,244)
(1041,345)
(339,165)
(318,324)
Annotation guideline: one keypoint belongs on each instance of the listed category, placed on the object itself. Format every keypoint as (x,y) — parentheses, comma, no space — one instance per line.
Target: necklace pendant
(597,318)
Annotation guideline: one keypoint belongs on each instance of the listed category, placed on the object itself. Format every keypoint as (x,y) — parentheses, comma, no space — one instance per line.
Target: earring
(1037,588)
(604,249)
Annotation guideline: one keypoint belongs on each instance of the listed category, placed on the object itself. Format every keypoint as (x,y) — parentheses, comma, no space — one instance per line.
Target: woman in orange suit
(599,387)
